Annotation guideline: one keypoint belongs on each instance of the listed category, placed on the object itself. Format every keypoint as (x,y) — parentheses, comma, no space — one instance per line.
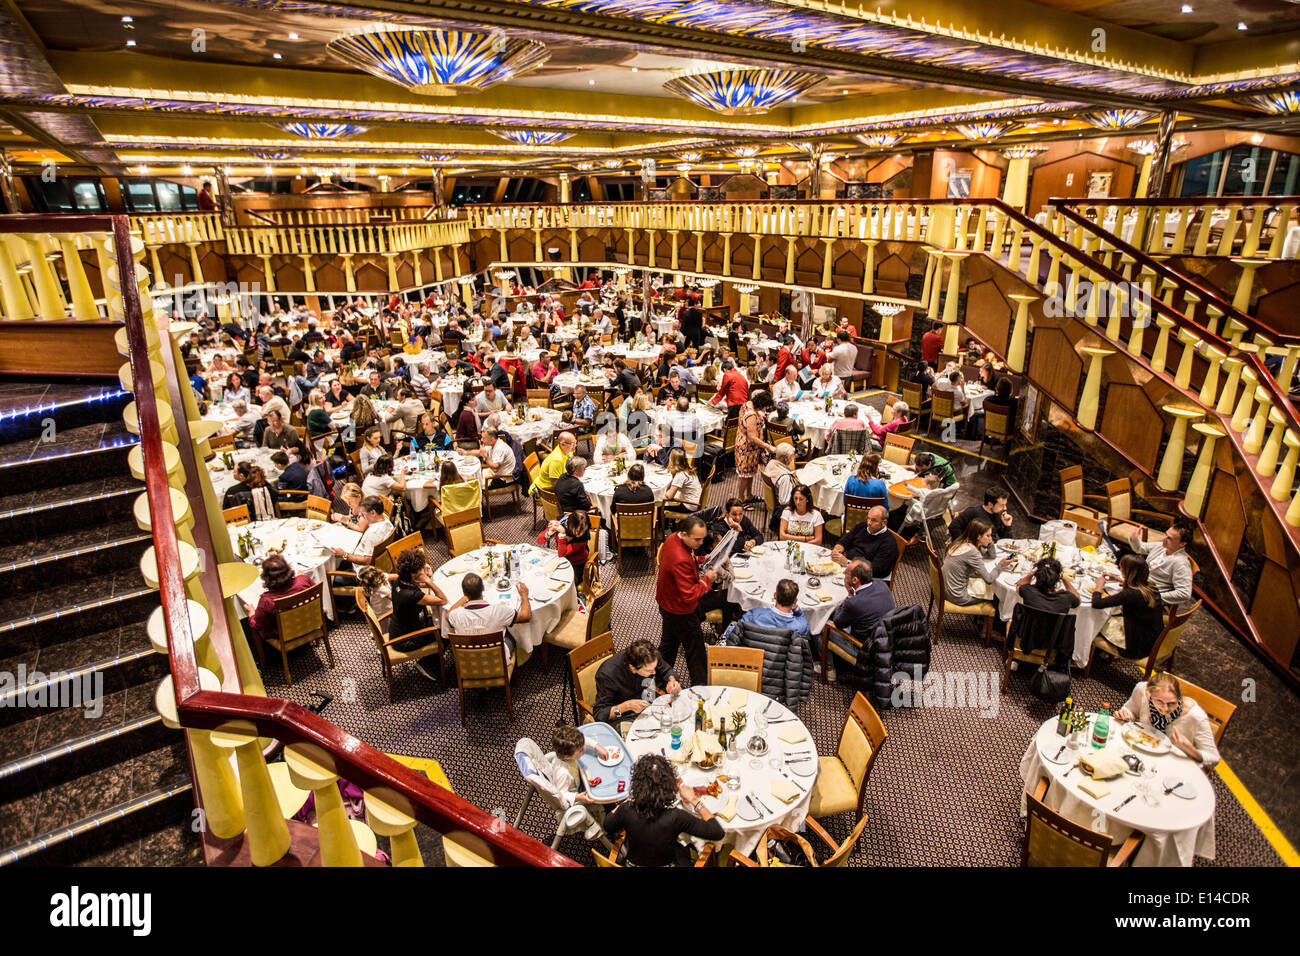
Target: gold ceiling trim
(127,139)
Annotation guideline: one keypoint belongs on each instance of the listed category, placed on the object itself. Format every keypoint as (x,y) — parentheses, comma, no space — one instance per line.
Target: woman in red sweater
(280,581)
(572,537)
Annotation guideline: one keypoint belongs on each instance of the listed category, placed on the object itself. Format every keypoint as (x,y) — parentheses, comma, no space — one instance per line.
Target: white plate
(1187,791)
(804,768)
(614,759)
(1130,736)
(1048,753)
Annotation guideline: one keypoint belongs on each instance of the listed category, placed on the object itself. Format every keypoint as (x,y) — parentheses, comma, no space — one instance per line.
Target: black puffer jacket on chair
(901,643)
(787,660)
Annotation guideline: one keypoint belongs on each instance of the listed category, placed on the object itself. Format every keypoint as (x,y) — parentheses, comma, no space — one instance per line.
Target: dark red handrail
(280,719)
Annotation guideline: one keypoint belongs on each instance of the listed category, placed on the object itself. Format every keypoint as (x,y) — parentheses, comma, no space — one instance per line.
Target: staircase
(88,773)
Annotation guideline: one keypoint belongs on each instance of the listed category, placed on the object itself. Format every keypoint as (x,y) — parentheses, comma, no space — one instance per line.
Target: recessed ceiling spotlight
(275,56)
(128,20)
(635,70)
(1241,25)
(591,82)
(293,36)
(1256,138)
(130,43)
(187,169)
(1187,8)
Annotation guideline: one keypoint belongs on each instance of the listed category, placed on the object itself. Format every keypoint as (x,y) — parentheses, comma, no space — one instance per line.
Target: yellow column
(1209,387)
(467,295)
(1016,188)
(267,831)
(631,246)
(1229,393)
(13,293)
(505,250)
(196,268)
(349,276)
(936,282)
(951,343)
(1194,500)
(869,268)
(1090,399)
(1144,181)
(537,244)
(726,254)
(756,270)
(573,245)
(1183,377)
(789,260)
(930,258)
(1285,476)
(1171,465)
(1245,285)
(312,768)
(828,262)
(388,813)
(699,251)
(1253,440)
(83,300)
(267,274)
(1019,330)
(651,241)
(415,270)
(1161,351)
(47,287)
(1273,446)
(1241,417)
(391,259)
(308,276)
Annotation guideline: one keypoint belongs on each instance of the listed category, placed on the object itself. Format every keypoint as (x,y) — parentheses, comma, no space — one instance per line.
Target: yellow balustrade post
(267,831)
(756,269)
(1246,284)
(1210,385)
(939,231)
(1241,416)
(1253,439)
(156,262)
(1144,182)
(1161,351)
(1118,301)
(223,807)
(1228,231)
(1287,372)
(1138,330)
(981,231)
(312,768)
(1229,393)
(1285,476)
(1235,331)
(1017,241)
(505,250)
(13,294)
(931,256)
(349,276)
(999,234)
(308,276)
(1281,224)
(1273,446)
(699,251)
(1094,298)
(1194,500)
(828,262)
(1091,397)
(1250,245)
(389,814)
(1183,377)
(1033,268)
(869,267)
(1019,330)
(1171,465)
(1212,316)
(1054,272)
(83,300)
(48,295)
(267,273)
(651,242)
(1203,234)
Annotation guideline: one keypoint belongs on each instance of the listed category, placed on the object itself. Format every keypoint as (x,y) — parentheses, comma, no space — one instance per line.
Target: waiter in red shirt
(733,390)
(684,596)
(931,345)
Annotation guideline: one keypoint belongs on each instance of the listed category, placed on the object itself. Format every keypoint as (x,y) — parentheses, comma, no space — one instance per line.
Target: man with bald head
(870,541)
(868,602)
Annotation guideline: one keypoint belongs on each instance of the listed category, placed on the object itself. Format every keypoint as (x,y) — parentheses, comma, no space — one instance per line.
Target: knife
(750,801)
(761,804)
(721,694)
(1127,800)
(795,783)
(1169,790)
(765,709)
(1059,752)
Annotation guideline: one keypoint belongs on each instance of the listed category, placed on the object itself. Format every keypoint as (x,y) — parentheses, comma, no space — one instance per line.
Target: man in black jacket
(733,519)
(293,476)
(994,511)
(624,681)
(868,601)
(870,541)
(569,492)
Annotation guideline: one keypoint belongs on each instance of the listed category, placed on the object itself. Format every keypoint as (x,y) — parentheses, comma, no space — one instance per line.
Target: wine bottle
(722,734)
(700,715)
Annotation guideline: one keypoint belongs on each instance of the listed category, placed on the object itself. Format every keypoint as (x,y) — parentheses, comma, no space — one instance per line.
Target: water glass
(665,712)
(733,776)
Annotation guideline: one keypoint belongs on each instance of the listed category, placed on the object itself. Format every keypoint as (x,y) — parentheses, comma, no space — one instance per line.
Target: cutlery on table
(721,694)
(794,782)
(1169,790)
(1070,771)
(1127,800)
(765,708)
(750,801)
(1059,752)
(761,804)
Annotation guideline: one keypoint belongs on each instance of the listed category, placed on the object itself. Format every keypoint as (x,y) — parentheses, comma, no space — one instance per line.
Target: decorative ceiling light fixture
(273,154)
(691,157)
(1283,101)
(984,132)
(531,137)
(584,167)
(683,168)
(324,130)
(739,90)
(880,140)
(1117,119)
(746,288)
(436,157)
(1024,151)
(746,152)
(612,163)
(438,62)
(747,165)
(707,283)
(1143,147)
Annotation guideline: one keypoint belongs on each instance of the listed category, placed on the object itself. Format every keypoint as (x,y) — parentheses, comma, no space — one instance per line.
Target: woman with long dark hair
(651,821)
(1143,611)
(279,580)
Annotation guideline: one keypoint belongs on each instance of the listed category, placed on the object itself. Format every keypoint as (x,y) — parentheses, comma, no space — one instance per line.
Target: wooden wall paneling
(1055,366)
(370,276)
(60,347)
(1224,519)
(1068,177)
(807,261)
(1276,613)
(1279,307)
(288,274)
(988,314)
(590,248)
(1133,424)
(742,255)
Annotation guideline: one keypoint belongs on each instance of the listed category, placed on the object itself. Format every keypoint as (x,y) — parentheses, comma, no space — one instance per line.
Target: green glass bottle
(1101,729)
(700,714)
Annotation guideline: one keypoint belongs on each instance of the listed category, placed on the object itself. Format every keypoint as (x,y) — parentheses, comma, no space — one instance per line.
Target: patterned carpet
(944,791)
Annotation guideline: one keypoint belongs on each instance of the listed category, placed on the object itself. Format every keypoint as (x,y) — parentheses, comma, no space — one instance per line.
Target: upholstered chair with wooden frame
(763,855)
(533,465)
(903,544)
(550,505)
(984,609)
(1042,630)
(848,651)
(911,393)
(1074,506)
(299,620)
(1162,651)
(237,515)
(635,526)
(584,661)
(1054,840)
(842,781)
(998,426)
(575,628)
(1218,709)
(482,661)
(413,540)
(389,656)
(318,508)
(856,508)
(840,852)
(1119,507)
(943,407)
(705,857)
(291,502)
(465,532)
(219,443)
(897,448)
(740,667)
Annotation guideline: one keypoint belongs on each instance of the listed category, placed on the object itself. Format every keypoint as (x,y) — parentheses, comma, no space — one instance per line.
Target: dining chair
(1218,709)
(764,855)
(998,426)
(903,544)
(291,502)
(482,661)
(465,532)
(539,397)
(984,609)
(221,442)
(390,656)
(913,393)
(704,858)
(318,508)
(845,651)
(237,515)
(740,667)
(856,508)
(550,505)
(584,661)
(1033,638)
(1054,840)
(299,620)
(943,407)
(842,779)
(413,540)
(635,526)
(1162,651)
(511,488)
(532,465)
(1119,506)
(897,448)
(575,628)
(840,852)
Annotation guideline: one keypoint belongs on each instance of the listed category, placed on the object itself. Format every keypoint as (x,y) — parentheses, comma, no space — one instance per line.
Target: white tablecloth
(816,422)
(1088,621)
(663,326)
(307,543)
(547,605)
(421,485)
(975,396)
(223,479)
(341,420)
(634,355)
(565,381)
(828,487)
(745,829)
(541,424)
(711,417)
(768,568)
(1176,829)
(599,482)
(450,388)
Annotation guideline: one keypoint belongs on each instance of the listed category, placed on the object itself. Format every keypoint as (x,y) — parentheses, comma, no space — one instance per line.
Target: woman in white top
(683,484)
(611,445)
(372,450)
(1159,704)
(801,521)
(380,481)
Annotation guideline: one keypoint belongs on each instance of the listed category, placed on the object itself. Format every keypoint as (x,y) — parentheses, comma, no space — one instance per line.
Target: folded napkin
(455,568)
(682,754)
(728,813)
(785,791)
(1094,788)
(743,575)
(555,587)
(554,565)
(793,734)
(738,698)
(823,595)
(758,549)
(1103,764)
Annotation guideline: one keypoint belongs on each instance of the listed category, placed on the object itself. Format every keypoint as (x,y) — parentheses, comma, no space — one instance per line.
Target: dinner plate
(1134,737)
(614,759)
(810,768)
(1048,753)
(1187,791)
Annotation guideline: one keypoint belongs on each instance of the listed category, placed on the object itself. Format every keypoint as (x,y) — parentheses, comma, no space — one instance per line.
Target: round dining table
(775,787)
(550,581)
(599,481)
(757,573)
(422,483)
(305,544)
(566,381)
(1080,566)
(223,478)
(817,422)
(828,475)
(1179,825)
